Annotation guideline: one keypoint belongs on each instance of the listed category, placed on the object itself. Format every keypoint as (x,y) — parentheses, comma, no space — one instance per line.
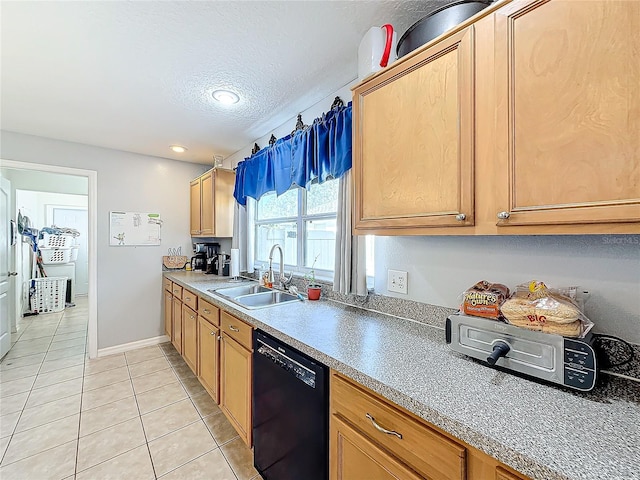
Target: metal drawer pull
(381,429)
(188,299)
(207,311)
(212,333)
(233,329)
(192,317)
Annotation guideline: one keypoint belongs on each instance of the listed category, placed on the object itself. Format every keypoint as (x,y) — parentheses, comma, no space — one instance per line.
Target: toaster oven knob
(500,349)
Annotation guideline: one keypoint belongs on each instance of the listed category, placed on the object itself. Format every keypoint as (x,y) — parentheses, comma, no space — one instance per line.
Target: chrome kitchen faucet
(283,280)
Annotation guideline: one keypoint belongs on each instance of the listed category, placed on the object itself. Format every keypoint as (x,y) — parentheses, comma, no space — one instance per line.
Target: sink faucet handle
(286,282)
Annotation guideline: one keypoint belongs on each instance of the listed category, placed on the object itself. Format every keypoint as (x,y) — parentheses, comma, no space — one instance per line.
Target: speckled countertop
(542,431)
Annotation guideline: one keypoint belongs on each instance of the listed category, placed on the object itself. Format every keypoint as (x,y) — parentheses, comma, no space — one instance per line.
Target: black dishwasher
(290,412)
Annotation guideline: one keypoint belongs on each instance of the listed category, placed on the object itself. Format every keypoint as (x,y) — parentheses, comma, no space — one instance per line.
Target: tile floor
(137,415)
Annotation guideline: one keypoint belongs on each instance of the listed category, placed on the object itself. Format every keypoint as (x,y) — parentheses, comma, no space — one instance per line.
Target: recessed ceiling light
(178,148)
(226,96)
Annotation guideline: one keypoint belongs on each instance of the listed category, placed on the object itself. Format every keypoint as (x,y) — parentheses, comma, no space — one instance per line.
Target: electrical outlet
(397,281)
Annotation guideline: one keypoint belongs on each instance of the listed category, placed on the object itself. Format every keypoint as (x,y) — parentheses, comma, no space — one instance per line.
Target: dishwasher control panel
(286,363)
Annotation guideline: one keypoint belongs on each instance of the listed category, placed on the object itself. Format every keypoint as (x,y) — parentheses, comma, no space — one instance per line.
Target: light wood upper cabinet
(567,79)
(235,385)
(196,208)
(189,337)
(212,204)
(414,141)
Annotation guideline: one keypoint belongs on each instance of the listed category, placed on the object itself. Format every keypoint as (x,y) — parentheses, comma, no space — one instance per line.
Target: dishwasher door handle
(382,429)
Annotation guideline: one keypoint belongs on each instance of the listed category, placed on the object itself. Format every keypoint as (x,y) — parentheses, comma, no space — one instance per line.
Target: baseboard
(125,347)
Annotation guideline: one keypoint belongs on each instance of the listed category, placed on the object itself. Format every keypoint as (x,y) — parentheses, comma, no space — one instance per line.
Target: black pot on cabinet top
(438,22)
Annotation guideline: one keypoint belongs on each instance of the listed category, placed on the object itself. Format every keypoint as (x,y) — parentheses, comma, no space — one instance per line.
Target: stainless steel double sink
(254,296)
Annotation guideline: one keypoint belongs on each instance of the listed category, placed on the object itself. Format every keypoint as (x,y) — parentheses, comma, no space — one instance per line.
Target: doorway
(38,175)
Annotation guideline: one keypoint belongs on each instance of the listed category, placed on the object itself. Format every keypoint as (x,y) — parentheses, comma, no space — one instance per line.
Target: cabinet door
(196,208)
(502,474)
(208,348)
(168,314)
(189,337)
(207,197)
(414,141)
(235,385)
(224,202)
(176,338)
(352,456)
(568,112)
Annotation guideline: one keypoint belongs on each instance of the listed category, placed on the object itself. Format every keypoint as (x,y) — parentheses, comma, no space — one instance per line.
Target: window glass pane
(284,234)
(323,198)
(270,206)
(321,243)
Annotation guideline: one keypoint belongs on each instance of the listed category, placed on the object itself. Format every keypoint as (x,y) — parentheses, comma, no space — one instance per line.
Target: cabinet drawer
(177,291)
(190,299)
(236,329)
(209,312)
(424,449)
(167,284)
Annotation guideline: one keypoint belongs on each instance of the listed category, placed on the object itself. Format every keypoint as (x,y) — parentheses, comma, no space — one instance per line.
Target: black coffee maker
(202,253)
(212,256)
(199,261)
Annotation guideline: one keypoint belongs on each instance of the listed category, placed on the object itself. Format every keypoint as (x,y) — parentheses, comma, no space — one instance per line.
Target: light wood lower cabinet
(168,314)
(235,385)
(190,338)
(208,357)
(372,438)
(176,338)
(355,457)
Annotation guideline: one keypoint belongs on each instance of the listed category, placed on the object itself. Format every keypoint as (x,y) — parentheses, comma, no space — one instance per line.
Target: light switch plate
(397,281)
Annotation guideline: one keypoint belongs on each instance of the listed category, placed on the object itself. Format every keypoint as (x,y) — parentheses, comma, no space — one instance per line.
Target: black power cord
(603,342)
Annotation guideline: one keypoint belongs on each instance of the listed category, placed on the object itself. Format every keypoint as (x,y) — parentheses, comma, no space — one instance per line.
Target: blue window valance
(320,151)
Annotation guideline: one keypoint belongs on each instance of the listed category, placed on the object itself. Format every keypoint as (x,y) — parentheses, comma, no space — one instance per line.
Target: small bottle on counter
(187,266)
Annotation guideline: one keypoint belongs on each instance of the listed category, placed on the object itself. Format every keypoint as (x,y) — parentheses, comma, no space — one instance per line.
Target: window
(303,222)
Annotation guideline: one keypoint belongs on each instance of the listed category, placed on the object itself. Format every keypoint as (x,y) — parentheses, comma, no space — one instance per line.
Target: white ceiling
(137,76)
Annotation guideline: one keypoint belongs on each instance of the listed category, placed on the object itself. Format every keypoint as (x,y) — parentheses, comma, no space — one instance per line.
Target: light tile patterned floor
(137,415)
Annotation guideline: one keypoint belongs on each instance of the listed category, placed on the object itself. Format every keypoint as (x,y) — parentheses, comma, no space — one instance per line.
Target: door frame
(92,178)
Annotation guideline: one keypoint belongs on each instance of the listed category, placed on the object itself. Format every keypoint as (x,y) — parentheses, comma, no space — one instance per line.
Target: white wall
(46,181)
(440,268)
(34,204)
(129,278)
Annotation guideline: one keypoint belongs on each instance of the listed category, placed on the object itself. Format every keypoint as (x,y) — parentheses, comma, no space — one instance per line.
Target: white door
(6,277)
(78,219)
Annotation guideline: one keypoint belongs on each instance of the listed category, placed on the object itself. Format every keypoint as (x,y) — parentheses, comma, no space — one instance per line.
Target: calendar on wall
(134,229)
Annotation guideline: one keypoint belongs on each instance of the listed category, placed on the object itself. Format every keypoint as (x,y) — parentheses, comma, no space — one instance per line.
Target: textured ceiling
(137,76)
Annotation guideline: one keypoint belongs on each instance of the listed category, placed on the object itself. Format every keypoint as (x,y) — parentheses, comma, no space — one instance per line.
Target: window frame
(300,220)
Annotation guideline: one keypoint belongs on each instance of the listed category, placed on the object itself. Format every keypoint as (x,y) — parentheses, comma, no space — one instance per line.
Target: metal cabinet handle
(12,274)
(461,217)
(219,337)
(212,333)
(503,215)
(381,429)
(188,299)
(192,317)
(206,311)
(233,329)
